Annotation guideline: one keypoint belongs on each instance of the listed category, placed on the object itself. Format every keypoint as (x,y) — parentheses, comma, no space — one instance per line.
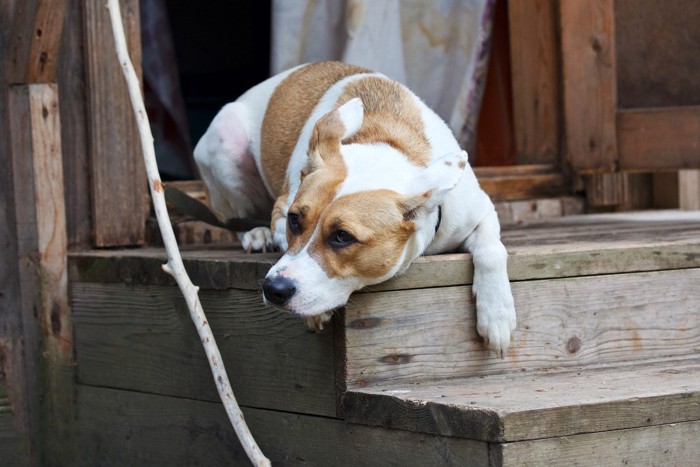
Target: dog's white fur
(230,160)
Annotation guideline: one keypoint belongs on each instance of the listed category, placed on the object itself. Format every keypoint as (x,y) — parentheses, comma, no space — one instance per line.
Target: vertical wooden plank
(70,77)
(607,189)
(41,232)
(534,49)
(35,40)
(689,189)
(16,347)
(119,184)
(590,88)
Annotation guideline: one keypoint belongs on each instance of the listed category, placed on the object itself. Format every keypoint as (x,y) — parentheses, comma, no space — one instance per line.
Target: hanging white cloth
(438,48)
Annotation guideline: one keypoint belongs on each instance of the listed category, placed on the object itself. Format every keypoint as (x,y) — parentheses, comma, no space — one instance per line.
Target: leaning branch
(174,265)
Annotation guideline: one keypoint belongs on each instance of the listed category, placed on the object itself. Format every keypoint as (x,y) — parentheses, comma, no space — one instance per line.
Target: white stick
(174,265)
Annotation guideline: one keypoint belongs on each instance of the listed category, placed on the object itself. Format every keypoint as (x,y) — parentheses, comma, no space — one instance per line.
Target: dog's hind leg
(495,310)
(235,188)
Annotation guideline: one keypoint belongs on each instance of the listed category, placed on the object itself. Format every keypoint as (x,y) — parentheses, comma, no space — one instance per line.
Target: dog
(361,178)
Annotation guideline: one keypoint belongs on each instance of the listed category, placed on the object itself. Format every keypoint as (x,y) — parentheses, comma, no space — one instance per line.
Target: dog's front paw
(258,239)
(495,317)
(280,239)
(315,323)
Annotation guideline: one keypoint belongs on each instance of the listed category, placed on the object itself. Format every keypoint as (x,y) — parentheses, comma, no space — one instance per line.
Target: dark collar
(437,226)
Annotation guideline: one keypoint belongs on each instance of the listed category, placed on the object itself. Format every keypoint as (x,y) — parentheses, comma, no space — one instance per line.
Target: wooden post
(119,189)
(35,41)
(32,271)
(535,72)
(41,232)
(590,86)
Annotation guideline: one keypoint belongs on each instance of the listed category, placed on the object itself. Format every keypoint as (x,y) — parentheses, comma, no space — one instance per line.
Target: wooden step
(608,337)
(527,406)
(588,290)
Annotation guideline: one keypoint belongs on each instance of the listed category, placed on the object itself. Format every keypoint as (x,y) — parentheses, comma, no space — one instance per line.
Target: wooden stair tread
(534,405)
(555,248)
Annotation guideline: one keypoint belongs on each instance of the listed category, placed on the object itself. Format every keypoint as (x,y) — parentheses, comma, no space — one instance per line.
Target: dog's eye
(293,223)
(341,239)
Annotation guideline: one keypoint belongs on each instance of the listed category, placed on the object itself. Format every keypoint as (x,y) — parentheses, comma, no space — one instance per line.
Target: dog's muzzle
(278,290)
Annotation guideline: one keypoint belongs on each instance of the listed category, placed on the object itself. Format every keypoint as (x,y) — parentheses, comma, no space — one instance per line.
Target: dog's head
(362,214)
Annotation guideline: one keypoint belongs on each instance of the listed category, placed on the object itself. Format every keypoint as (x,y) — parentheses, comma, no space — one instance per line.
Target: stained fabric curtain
(438,48)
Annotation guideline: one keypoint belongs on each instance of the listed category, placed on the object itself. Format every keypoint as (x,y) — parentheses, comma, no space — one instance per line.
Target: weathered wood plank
(526,406)
(667,138)
(689,189)
(516,187)
(535,80)
(590,84)
(428,334)
(128,428)
(35,40)
(41,234)
(16,348)
(141,338)
(119,184)
(664,445)
(555,248)
(14,444)
(70,77)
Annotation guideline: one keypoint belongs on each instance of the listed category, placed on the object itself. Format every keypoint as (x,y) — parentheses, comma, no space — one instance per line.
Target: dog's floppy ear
(438,178)
(330,130)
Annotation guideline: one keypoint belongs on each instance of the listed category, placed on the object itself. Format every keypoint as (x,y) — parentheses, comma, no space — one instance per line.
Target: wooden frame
(603,140)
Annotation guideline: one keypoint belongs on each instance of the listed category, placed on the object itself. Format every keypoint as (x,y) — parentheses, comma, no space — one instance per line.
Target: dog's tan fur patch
(391,116)
(289,109)
(376,220)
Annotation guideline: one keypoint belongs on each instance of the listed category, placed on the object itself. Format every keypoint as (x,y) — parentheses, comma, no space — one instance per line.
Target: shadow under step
(511,407)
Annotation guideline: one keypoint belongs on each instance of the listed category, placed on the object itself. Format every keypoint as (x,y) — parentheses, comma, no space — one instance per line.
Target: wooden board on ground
(141,338)
(513,407)
(130,428)
(428,334)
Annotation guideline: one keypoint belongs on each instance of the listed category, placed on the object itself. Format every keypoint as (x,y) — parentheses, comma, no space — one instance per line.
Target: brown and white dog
(361,178)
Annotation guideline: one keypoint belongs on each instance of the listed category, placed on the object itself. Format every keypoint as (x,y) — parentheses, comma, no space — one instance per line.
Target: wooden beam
(119,184)
(70,78)
(35,41)
(35,136)
(535,80)
(590,89)
(663,138)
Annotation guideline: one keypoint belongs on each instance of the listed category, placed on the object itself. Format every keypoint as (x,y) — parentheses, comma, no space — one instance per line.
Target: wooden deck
(604,367)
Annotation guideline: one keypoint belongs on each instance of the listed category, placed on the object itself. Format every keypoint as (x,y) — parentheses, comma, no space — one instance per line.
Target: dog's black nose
(278,290)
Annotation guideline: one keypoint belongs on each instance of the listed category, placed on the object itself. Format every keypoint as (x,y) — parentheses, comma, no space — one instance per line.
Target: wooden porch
(100,364)
(603,369)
